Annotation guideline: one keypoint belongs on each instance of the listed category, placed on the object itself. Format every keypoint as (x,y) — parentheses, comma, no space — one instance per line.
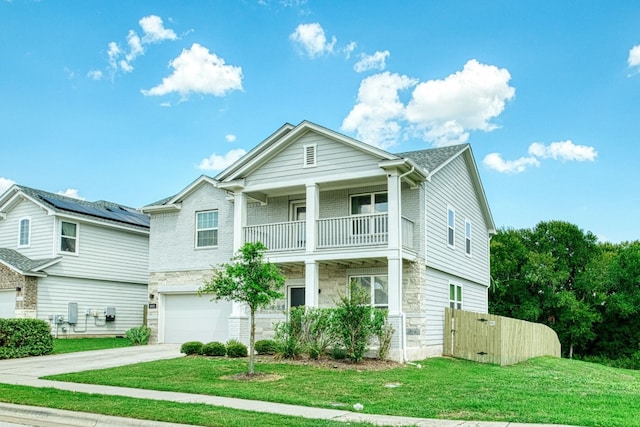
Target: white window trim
(28,245)
(451,245)
(373,202)
(293,204)
(195,240)
(372,276)
(77,238)
(455,301)
(306,149)
(469,237)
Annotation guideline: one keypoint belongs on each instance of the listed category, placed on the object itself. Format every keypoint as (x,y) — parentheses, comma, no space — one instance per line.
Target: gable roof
(101,211)
(433,158)
(173,203)
(24,265)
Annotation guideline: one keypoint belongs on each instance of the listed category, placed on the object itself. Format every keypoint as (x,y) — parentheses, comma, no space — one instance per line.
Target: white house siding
(452,187)
(332,158)
(172,243)
(41,243)
(55,293)
(106,254)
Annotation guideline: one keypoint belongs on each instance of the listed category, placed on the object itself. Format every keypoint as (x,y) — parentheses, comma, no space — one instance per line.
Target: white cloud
(230,138)
(634,56)
(564,150)
(95,74)
(71,192)
(5,183)
(311,39)
(348,49)
(375,116)
(377,61)
(196,70)
(496,162)
(154,30)
(215,162)
(463,101)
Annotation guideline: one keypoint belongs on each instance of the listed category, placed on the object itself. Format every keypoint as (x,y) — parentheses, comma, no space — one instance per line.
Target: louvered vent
(309,155)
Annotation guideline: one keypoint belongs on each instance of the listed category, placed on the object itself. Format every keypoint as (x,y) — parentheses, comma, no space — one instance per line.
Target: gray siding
(332,157)
(452,187)
(172,243)
(474,298)
(55,293)
(105,254)
(41,244)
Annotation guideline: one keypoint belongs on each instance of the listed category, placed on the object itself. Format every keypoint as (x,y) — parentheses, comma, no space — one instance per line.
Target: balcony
(342,232)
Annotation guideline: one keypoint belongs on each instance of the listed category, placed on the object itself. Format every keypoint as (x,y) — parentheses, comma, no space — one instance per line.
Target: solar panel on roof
(127,217)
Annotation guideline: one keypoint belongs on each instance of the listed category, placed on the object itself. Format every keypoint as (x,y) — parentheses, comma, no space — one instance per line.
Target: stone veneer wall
(27,298)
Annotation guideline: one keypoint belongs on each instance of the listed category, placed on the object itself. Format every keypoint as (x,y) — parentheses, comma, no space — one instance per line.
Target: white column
(239,219)
(311,273)
(313,213)
(394,261)
(395,210)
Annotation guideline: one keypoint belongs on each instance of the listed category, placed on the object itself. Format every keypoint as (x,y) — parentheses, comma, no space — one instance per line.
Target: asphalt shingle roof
(21,262)
(432,158)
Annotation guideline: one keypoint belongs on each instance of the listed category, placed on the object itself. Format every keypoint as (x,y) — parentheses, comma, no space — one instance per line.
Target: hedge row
(24,338)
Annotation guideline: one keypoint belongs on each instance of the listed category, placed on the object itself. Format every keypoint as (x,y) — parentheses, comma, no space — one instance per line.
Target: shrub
(236,349)
(191,347)
(24,337)
(214,348)
(288,336)
(384,332)
(338,353)
(138,336)
(316,331)
(265,347)
(352,322)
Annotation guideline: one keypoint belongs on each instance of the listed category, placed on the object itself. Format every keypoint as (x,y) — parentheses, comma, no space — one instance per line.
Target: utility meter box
(72,315)
(110,314)
(59,318)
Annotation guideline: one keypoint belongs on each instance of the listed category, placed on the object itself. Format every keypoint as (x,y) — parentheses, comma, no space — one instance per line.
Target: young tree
(249,279)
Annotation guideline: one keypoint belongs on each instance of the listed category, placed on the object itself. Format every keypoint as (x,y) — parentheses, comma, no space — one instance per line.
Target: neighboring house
(81,266)
(413,229)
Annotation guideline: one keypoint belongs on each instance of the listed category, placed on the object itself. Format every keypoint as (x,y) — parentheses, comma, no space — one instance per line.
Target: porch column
(394,262)
(239,219)
(313,213)
(311,273)
(394,209)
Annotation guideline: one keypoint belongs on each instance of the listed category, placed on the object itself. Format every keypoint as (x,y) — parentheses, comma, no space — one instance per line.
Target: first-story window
(377,286)
(455,296)
(24,232)
(68,237)
(206,229)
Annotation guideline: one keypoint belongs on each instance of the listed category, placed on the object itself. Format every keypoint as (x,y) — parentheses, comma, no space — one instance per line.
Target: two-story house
(412,228)
(81,266)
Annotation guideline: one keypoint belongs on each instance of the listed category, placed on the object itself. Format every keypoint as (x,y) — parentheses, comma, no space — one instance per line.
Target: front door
(296,296)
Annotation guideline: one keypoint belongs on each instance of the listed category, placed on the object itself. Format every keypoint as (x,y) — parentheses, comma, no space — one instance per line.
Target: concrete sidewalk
(28,370)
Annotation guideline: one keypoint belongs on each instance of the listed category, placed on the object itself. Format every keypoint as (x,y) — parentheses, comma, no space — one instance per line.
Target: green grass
(172,412)
(543,390)
(72,345)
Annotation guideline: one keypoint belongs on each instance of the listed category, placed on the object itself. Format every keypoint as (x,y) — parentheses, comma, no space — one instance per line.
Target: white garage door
(188,317)
(8,304)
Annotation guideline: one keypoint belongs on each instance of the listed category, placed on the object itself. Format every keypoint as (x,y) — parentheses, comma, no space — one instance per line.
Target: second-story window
(368,204)
(451,227)
(467,237)
(24,232)
(206,229)
(68,237)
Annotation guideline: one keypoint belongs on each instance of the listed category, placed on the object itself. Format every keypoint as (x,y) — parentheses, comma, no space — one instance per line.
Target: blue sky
(132,101)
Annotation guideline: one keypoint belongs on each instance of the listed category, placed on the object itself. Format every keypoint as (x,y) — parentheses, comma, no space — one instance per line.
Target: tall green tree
(248,279)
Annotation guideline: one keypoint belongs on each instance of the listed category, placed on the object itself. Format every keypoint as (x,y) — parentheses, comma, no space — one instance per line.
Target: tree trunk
(571,351)
(252,338)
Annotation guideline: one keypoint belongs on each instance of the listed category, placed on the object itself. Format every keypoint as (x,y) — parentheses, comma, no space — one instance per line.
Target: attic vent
(309,155)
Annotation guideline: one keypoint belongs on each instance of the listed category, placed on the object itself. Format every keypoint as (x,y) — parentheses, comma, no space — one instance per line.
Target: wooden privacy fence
(494,339)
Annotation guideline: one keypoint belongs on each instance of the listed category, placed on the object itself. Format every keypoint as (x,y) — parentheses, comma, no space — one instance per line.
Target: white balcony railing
(283,236)
(360,230)
(349,231)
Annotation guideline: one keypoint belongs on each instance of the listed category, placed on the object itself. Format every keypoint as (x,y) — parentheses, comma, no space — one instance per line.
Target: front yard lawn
(542,390)
(72,345)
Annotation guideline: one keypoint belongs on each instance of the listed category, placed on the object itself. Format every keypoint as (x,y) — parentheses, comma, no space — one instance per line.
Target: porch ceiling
(347,263)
